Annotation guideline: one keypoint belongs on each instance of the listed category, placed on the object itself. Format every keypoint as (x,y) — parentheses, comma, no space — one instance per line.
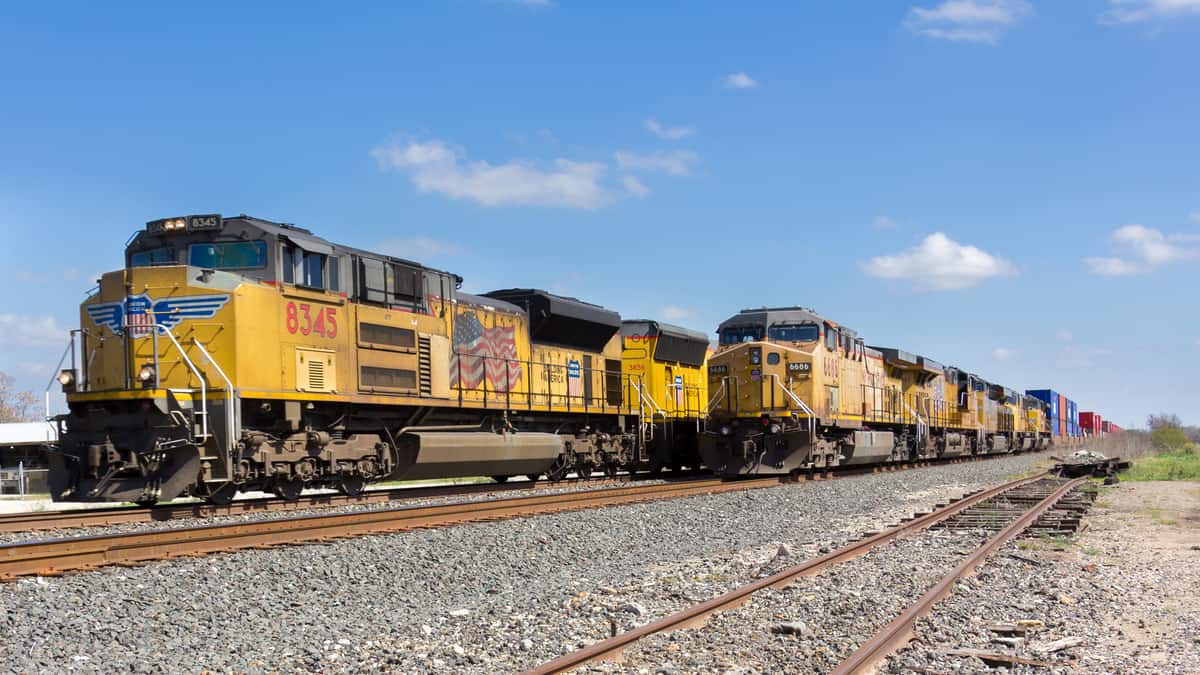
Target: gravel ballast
(487,597)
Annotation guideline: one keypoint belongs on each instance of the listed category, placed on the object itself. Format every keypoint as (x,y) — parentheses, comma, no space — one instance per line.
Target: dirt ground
(1143,541)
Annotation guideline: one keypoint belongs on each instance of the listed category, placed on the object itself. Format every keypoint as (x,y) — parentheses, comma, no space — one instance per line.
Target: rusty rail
(81,553)
(897,633)
(695,615)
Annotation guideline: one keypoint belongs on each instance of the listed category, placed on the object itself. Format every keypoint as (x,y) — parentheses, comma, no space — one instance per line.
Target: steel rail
(897,633)
(116,515)
(695,615)
(80,553)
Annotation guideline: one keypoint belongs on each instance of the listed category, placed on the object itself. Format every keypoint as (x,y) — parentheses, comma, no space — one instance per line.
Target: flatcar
(235,354)
(793,391)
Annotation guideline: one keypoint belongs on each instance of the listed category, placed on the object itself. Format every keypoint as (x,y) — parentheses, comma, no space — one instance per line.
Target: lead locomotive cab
(209,362)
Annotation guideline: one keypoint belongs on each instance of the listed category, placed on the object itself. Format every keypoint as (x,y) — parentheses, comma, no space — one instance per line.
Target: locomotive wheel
(288,489)
(584,470)
(533,477)
(352,485)
(223,495)
(502,479)
(151,501)
(611,469)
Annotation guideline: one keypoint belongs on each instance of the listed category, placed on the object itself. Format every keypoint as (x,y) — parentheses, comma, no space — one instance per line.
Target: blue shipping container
(1046,396)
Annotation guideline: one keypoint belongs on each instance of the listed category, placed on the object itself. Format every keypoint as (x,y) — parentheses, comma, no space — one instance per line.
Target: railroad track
(116,515)
(55,556)
(1012,507)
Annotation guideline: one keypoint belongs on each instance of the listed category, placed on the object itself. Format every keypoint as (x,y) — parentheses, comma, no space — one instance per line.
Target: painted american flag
(477,349)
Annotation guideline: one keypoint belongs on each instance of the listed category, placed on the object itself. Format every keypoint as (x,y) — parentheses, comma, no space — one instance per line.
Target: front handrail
(812,416)
(231,407)
(646,398)
(714,401)
(196,371)
(920,422)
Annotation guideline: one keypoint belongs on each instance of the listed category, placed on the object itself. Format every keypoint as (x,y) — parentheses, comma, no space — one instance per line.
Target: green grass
(1179,465)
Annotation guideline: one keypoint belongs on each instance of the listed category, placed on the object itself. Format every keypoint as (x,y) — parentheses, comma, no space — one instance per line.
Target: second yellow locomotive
(793,391)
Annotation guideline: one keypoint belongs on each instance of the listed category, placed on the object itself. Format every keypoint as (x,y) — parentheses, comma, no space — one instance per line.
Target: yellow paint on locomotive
(289,343)
(671,399)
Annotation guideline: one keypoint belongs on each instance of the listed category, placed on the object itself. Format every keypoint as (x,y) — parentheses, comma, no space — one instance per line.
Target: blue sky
(962,179)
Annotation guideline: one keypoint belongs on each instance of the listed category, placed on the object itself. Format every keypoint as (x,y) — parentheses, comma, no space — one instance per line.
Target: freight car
(794,391)
(234,354)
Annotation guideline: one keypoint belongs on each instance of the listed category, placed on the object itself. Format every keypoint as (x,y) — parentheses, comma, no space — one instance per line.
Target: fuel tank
(455,454)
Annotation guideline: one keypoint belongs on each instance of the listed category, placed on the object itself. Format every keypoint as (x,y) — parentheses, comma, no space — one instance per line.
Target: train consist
(236,354)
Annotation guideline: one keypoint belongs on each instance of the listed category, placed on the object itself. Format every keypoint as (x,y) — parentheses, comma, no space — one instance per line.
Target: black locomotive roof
(767,316)
(559,320)
(489,302)
(633,326)
(535,300)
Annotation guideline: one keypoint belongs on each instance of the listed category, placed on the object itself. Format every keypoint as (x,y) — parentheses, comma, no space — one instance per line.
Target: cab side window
(831,339)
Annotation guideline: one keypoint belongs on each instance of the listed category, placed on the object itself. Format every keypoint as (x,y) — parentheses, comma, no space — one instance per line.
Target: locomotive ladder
(231,395)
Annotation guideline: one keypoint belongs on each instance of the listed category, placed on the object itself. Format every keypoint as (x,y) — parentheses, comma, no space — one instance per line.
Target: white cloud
(1002,353)
(669,133)
(634,186)
(434,166)
(673,313)
(740,80)
(981,21)
(1149,248)
(1194,216)
(17,330)
(884,223)
(1135,11)
(1112,267)
(675,163)
(1065,335)
(419,248)
(940,263)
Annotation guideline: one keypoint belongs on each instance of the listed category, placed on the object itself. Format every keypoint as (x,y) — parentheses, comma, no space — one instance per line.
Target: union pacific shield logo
(137,314)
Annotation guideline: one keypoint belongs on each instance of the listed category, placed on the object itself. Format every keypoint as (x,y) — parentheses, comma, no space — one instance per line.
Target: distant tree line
(1169,434)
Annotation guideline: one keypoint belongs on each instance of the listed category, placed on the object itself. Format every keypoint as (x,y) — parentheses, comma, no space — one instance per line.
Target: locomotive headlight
(725,431)
(66,378)
(775,428)
(146,374)
(175,224)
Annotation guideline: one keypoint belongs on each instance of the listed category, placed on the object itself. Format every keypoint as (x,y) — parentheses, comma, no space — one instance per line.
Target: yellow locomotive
(236,353)
(793,391)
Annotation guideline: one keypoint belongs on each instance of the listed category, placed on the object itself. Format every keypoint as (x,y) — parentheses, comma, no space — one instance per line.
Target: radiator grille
(425,365)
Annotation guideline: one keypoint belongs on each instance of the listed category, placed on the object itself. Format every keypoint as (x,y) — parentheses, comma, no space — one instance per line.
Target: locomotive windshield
(795,333)
(228,255)
(737,334)
(156,256)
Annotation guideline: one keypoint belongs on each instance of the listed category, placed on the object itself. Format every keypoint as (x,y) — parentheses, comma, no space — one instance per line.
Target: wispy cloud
(884,223)
(674,163)
(939,263)
(634,186)
(1194,216)
(420,248)
(668,133)
(1137,11)
(740,80)
(434,166)
(676,313)
(1001,354)
(1144,248)
(1112,267)
(979,21)
(17,330)
(1065,335)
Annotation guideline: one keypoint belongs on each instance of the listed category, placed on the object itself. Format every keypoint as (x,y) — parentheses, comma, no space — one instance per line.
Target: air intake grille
(316,370)
(316,375)
(425,365)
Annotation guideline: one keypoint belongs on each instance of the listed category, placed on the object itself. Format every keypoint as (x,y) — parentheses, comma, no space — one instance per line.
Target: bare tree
(1164,421)
(16,405)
